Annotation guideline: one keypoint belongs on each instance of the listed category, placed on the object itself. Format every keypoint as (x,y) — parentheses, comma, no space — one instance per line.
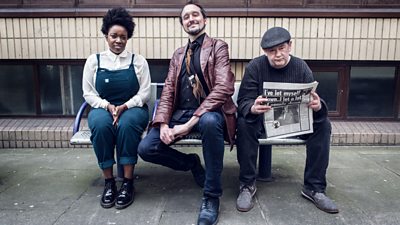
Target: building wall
(157,37)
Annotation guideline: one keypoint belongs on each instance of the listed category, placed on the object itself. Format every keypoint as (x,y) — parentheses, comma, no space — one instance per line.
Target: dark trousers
(211,127)
(125,137)
(317,147)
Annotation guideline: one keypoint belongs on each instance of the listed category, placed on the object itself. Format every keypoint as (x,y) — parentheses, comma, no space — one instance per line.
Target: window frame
(35,68)
(345,68)
(342,67)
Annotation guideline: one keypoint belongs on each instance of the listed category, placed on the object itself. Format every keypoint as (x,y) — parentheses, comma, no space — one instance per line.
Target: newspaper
(290,115)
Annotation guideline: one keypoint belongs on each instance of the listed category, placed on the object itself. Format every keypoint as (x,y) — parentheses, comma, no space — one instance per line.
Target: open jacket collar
(205,52)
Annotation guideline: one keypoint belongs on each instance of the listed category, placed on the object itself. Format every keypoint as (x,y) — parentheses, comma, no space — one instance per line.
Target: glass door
(332,89)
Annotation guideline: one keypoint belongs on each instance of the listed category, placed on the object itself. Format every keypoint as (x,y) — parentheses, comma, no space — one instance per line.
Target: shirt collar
(114,56)
(199,39)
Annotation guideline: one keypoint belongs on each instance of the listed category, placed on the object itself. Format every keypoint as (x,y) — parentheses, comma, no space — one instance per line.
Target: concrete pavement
(63,186)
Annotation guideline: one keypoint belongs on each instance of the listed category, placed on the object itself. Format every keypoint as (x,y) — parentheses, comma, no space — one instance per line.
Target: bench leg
(264,163)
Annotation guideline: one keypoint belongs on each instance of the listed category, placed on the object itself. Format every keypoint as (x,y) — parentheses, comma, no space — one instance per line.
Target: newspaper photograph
(290,115)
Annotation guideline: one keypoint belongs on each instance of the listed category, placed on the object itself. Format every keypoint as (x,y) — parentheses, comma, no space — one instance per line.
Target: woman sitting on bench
(116,84)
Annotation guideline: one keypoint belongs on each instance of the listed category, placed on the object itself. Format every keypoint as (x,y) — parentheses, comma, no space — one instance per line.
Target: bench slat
(83,138)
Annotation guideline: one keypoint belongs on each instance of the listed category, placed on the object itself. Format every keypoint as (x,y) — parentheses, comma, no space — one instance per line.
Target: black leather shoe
(198,172)
(320,200)
(109,194)
(209,211)
(125,195)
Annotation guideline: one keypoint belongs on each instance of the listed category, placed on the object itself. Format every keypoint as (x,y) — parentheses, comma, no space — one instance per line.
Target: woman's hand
(116,111)
(111,108)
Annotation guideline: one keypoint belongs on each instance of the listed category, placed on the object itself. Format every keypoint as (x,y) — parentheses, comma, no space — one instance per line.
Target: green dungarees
(117,87)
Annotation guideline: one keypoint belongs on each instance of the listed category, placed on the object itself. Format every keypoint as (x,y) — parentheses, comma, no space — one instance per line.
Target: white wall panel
(157,38)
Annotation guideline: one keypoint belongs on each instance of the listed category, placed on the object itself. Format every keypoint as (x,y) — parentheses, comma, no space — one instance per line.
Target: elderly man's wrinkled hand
(315,103)
(260,105)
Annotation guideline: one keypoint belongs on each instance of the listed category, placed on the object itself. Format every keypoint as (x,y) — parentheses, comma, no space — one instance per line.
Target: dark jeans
(211,127)
(317,145)
(125,137)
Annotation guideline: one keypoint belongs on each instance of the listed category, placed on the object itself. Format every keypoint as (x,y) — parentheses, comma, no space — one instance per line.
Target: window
(328,88)
(52,90)
(60,89)
(158,72)
(362,90)
(352,90)
(332,82)
(17,90)
(371,92)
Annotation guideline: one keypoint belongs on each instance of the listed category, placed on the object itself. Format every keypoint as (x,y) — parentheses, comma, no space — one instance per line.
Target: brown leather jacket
(215,65)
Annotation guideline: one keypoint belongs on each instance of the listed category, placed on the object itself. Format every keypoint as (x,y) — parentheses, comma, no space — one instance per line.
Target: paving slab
(63,186)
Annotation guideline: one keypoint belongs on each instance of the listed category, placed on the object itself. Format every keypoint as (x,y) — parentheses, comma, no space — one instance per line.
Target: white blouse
(111,61)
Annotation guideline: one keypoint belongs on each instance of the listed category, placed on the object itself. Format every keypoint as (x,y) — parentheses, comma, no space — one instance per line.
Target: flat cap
(275,36)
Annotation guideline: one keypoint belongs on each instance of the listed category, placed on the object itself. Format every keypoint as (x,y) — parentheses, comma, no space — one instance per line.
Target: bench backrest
(235,94)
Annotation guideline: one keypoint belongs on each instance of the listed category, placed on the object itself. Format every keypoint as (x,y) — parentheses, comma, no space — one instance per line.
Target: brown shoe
(245,200)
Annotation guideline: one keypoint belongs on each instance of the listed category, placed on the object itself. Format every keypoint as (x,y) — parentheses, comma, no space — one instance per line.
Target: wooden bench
(82,137)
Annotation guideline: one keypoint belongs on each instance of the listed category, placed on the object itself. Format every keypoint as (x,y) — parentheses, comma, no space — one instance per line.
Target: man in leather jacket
(196,97)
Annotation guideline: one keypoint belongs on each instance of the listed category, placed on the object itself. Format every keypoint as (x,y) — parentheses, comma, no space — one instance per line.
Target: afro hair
(118,16)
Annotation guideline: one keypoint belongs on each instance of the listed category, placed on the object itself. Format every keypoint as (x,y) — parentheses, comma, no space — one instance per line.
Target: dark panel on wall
(242,8)
(180,3)
(333,3)
(49,3)
(223,3)
(10,3)
(158,3)
(382,3)
(103,3)
(275,3)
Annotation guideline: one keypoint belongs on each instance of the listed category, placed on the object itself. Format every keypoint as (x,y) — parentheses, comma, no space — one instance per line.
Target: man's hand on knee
(166,134)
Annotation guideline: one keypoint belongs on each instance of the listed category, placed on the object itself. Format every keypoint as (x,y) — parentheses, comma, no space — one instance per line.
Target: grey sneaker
(320,200)
(245,200)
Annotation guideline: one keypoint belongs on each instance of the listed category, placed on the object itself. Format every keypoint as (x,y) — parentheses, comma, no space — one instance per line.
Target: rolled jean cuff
(127,160)
(106,164)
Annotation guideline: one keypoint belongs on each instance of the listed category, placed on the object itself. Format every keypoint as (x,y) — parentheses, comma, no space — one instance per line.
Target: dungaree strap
(98,60)
(133,56)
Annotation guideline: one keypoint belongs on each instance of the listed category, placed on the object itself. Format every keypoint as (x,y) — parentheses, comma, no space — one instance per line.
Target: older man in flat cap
(277,65)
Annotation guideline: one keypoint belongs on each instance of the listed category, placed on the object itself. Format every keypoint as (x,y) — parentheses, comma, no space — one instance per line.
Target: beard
(196,31)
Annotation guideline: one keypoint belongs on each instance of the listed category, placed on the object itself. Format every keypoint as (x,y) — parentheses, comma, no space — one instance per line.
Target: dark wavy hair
(203,12)
(118,16)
